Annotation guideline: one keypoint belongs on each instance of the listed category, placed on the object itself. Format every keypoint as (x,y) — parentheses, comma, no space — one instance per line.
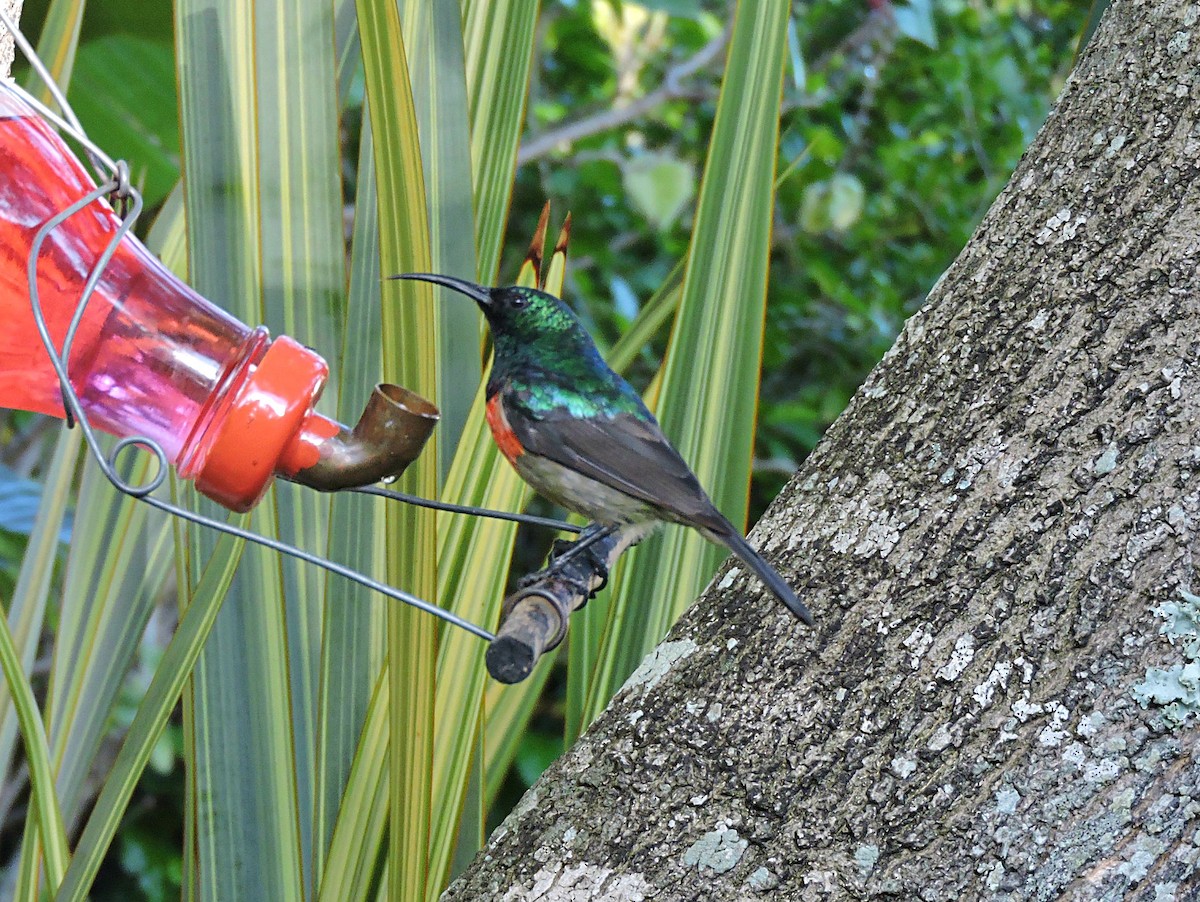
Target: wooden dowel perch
(533,619)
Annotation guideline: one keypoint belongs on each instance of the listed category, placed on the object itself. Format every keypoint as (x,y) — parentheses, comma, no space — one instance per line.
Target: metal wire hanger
(114,181)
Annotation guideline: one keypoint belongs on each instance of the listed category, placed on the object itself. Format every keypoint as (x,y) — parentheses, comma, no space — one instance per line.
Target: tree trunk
(998,541)
(12,9)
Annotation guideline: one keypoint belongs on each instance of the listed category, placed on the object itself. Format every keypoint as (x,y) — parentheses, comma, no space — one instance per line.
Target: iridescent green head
(543,352)
(519,318)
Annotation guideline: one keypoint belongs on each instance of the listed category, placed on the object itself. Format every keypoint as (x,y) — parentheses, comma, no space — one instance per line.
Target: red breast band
(506,440)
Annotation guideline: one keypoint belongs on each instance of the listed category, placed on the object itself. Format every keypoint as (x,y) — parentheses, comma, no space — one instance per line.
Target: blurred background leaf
(660,186)
(124,94)
(20,500)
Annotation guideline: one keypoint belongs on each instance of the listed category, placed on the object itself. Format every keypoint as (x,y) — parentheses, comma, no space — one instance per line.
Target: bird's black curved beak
(480,295)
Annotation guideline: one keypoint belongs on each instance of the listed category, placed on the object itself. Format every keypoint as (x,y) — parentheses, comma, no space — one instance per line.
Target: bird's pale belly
(581,494)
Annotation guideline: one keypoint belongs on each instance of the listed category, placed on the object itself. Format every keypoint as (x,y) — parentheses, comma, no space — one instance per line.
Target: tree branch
(674,86)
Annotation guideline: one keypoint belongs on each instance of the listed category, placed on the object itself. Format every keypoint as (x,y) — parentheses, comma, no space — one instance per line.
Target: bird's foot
(531,579)
(579,562)
(574,569)
(580,568)
(562,551)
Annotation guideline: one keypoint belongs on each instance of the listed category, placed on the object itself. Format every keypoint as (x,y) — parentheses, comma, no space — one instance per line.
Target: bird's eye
(520,301)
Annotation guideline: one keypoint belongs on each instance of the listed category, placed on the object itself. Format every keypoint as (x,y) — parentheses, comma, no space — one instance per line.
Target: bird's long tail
(735,542)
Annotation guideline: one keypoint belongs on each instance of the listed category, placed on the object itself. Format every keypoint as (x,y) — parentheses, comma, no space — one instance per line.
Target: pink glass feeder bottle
(230,408)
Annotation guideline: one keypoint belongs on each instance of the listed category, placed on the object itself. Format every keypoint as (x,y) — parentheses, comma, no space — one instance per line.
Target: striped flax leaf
(118,560)
(347,50)
(474,554)
(352,653)
(108,596)
(358,833)
(27,607)
(56,46)
(201,605)
(303,282)
(710,376)
(244,791)
(411,326)
(473,565)
(472,831)
(26,610)
(433,42)
(45,812)
(498,36)
(168,235)
(248,840)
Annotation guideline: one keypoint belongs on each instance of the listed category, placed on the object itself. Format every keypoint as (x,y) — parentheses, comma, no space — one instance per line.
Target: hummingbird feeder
(147,356)
(98,331)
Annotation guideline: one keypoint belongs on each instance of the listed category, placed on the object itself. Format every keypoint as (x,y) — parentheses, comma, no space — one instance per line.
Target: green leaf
(162,695)
(508,710)
(498,36)
(914,19)
(845,201)
(537,752)
(124,94)
(834,205)
(660,186)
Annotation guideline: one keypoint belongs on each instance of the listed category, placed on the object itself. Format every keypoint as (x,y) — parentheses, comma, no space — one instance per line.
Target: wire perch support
(115,183)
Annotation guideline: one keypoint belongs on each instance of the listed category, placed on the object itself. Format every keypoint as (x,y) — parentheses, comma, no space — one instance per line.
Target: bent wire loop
(114,179)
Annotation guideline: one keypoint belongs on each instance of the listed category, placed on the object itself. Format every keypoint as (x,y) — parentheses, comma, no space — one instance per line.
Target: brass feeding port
(389,436)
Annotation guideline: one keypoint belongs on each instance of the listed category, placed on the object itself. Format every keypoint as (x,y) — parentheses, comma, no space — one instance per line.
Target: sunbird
(580,435)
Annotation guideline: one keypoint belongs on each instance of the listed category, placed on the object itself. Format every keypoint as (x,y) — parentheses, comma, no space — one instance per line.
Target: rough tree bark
(12,8)
(998,539)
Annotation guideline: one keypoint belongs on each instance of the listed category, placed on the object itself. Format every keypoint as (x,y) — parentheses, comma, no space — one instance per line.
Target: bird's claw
(574,565)
(531,579)
(558,548)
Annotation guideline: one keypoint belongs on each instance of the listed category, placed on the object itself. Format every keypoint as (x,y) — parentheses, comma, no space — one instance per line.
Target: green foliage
(124,94)
(832,205)
(660,186)
(894,142)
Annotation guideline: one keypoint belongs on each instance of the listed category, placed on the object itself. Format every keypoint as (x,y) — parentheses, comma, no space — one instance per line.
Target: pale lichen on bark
(991,537)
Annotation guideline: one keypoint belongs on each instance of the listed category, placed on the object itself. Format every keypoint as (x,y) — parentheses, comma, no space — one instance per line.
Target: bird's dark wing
(624,452)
